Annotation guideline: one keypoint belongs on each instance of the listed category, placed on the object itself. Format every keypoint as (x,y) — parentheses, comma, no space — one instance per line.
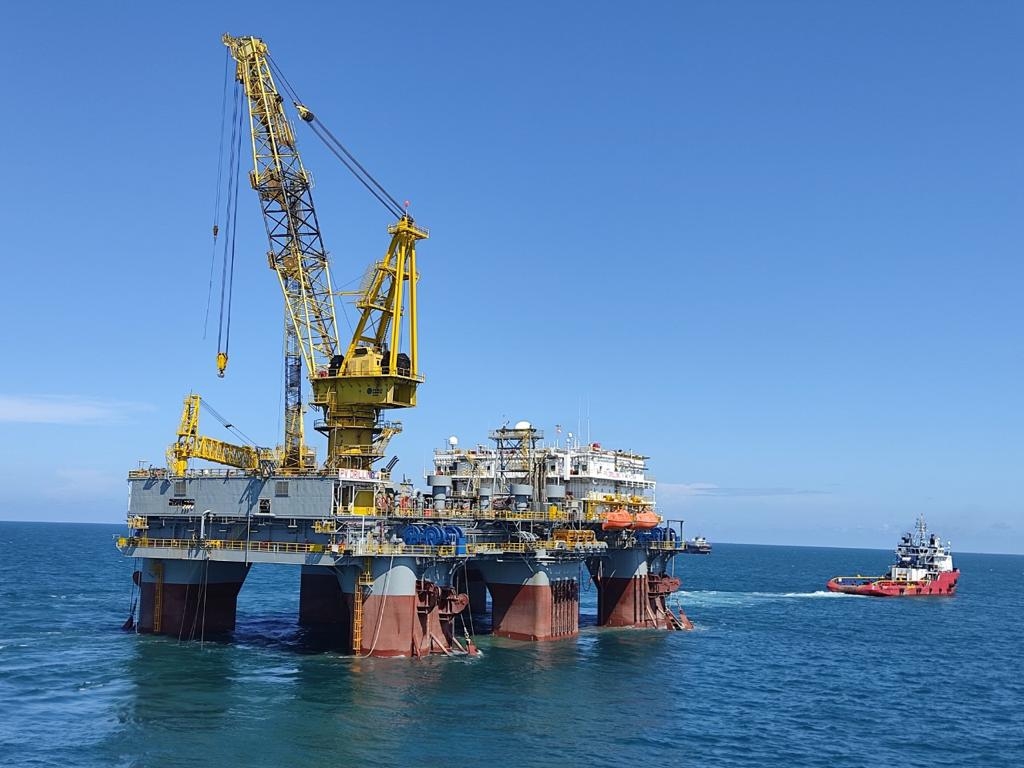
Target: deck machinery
(390,568)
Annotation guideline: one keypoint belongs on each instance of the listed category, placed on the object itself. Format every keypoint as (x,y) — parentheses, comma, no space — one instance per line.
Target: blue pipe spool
(413,535)
(433,535)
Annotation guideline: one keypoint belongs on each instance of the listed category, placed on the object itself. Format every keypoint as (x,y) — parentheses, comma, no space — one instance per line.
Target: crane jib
(377,369)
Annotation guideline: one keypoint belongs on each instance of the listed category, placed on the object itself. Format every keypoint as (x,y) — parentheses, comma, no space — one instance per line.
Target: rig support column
(188,598)
(533,601)
(628,593)
(407,609)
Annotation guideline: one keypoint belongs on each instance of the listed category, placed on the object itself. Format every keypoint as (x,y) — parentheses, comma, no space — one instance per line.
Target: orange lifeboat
(617,520)
(647,519)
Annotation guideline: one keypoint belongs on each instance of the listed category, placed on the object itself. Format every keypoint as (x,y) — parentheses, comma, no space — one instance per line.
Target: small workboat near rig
(698,546)
(924,566)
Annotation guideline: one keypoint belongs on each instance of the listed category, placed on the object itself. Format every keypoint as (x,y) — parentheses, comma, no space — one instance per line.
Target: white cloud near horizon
(680,491)
(64,409)
(85,484)
(684,490)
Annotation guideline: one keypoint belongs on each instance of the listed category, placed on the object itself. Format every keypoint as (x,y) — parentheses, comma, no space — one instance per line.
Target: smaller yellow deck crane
(191,445)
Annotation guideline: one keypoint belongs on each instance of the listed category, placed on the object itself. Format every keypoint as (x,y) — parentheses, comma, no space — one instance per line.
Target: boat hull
(881,586)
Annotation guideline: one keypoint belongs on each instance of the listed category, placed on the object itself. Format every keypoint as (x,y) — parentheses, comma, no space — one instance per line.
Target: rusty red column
(531,600)
(401,608)
(628,593)
(621,580)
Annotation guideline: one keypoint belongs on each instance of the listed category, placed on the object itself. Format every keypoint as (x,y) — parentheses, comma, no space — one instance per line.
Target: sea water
(777,672)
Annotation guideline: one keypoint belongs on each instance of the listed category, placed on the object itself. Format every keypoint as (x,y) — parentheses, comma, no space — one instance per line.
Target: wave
(726,598)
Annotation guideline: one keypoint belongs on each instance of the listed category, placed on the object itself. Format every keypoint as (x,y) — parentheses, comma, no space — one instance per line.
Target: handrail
(287,547)
(545,516)
(358,548)
(290,547)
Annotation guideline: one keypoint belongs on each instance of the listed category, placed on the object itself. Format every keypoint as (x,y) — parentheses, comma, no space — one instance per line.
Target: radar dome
(453,441)
(522,425)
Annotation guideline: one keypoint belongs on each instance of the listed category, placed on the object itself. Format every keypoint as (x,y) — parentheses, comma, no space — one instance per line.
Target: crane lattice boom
(297,252)
(378,369)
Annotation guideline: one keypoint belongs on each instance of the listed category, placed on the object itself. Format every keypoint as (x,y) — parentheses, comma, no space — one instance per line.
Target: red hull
(943,584)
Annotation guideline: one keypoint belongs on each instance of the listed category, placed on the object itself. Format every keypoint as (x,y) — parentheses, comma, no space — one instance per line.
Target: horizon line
(713,543)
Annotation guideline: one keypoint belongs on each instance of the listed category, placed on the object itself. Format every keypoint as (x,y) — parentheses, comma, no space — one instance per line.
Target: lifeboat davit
(617,520)
(647,519)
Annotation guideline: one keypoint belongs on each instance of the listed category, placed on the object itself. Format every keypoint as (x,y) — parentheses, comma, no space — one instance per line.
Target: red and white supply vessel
(924,566)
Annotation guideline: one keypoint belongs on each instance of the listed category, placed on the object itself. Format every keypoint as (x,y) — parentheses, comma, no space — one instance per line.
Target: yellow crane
(191,445)
(353,383)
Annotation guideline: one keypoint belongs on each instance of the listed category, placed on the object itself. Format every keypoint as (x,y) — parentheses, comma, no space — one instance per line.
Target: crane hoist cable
(227,424)
(396,212)
(231,221)
(220,186)
(338,149)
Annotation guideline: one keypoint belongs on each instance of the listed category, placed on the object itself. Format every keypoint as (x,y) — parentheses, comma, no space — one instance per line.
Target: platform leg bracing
(189,599)
(659,587)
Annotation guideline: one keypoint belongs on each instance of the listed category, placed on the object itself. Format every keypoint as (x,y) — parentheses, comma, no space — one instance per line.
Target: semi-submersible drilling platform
(389,567)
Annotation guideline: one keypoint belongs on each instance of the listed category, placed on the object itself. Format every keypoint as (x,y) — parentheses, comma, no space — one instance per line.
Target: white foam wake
(713,596)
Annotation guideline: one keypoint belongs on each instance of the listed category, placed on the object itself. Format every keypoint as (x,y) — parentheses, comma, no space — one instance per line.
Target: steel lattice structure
(351,385)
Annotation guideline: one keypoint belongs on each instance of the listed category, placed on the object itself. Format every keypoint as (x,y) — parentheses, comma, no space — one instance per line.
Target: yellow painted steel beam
(191,445)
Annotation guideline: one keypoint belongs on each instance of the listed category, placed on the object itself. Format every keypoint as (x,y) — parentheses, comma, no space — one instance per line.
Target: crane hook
(304,112)
(222,363)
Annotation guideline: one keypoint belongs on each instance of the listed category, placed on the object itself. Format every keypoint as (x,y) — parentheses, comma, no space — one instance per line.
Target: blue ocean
(777,672)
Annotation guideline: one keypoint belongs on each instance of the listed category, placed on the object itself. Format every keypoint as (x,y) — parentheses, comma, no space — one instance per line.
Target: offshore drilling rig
(389,567)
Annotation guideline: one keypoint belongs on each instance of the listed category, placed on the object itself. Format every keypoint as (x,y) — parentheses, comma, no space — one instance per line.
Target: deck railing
(363,548)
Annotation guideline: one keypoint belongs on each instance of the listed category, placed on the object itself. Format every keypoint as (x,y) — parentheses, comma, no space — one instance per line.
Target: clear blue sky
(774,245)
